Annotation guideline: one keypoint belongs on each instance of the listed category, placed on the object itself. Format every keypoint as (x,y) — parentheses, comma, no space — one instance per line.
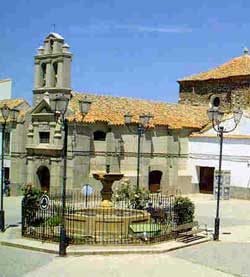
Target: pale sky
(132,48)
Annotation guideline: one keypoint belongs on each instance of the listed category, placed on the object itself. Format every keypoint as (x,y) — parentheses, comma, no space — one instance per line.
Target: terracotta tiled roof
(239,66)
(13,104)
(111,110)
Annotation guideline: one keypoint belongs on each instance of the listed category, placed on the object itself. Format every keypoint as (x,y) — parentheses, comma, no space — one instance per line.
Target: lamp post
(59,104)
(141,128)
(11,114)
(216,116)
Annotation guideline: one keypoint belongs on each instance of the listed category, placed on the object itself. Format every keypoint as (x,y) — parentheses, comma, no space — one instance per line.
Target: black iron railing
(87,222)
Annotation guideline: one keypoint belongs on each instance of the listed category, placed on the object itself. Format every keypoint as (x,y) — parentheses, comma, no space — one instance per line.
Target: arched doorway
(155,180)
(44,177)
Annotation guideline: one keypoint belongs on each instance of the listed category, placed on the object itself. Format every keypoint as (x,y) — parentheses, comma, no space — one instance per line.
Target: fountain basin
(102,223)
(109,177)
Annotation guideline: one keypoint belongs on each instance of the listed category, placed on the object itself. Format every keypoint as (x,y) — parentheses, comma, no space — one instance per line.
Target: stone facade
(233,92)
(230,81)
(37,156)
(161,150)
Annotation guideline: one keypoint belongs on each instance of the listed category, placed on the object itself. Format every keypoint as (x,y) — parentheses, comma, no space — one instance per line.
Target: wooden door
(206,179)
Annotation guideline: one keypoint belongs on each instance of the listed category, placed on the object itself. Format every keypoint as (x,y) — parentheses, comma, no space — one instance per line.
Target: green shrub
(31,193)
(54,221)
(184,210)
(31,202)
(135,198)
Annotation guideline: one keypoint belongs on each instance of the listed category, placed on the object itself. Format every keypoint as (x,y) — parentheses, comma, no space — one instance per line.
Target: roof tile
(13,104)
(239,66)
(111,110)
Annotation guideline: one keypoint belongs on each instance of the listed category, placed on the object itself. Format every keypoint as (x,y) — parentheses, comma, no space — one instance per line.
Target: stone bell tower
(52,68)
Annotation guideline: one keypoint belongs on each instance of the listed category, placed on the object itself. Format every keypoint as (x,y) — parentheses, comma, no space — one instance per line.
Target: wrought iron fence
(87,222)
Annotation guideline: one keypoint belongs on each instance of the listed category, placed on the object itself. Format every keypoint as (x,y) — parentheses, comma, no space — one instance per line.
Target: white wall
(5,89)
(204,151)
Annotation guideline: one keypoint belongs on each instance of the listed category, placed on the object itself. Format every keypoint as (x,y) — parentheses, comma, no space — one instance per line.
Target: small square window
(44,137)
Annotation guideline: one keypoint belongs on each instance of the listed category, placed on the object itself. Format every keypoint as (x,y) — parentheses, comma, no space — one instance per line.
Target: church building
(100,139)
(175,150)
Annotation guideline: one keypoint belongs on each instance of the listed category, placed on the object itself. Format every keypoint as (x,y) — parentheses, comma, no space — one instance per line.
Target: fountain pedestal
(107,180)
(104,222)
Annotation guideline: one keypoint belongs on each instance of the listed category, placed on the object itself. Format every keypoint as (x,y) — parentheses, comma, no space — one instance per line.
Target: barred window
(44,137)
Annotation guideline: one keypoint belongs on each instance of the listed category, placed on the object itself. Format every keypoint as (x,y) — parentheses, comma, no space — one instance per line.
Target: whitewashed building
(5,89)
(204,157)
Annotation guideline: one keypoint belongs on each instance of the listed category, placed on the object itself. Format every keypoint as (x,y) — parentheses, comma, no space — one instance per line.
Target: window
(43,70)
(99,135)
(44,137)
(51,44)
(214,101)
(7,142)
(55,68)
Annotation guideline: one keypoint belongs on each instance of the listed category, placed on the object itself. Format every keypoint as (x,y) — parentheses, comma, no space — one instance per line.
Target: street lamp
(11,114)
(84,105)
(142,127)
(216,116)
(59,104)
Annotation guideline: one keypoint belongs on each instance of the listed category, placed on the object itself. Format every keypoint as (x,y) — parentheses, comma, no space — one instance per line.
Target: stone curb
(103,251)
(27,247)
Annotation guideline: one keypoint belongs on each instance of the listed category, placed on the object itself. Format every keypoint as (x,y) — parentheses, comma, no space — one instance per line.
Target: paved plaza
(125,265)
(228,257)
(12,207)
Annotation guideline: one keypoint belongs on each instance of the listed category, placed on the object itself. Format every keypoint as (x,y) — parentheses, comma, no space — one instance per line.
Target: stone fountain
(105,221)
(107,179)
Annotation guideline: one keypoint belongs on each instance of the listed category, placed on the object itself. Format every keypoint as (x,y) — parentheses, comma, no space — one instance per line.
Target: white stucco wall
(204,152)
(5,89)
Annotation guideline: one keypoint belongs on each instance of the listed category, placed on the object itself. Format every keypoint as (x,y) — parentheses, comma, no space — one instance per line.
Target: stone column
(56,175)
(30,171)
(60,74)
(30,135)
(66,82)
(48,75)
(37,80)
(55,47)
(47,48)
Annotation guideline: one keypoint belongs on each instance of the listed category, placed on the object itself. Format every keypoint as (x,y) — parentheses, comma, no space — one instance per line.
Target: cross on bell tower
(52,68)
